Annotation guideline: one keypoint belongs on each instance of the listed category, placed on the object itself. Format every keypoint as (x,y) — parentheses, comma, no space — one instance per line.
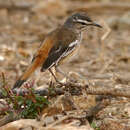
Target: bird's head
(80,21)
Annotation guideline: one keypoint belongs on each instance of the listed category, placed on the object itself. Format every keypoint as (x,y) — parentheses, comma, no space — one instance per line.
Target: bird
(58,45)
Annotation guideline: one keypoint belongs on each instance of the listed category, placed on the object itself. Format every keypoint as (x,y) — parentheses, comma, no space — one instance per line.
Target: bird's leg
(55,77)
(60,71)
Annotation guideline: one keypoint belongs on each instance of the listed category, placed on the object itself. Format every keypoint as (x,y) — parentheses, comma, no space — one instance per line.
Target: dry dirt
(24,25)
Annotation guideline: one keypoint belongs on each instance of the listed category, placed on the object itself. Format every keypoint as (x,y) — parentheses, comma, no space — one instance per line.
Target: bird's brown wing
(56,54)
(63,46)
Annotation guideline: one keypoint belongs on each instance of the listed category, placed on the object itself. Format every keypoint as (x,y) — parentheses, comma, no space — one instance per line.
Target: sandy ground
(104,62)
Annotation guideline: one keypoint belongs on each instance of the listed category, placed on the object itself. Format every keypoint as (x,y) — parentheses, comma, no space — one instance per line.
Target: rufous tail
(26,74)
(39,59)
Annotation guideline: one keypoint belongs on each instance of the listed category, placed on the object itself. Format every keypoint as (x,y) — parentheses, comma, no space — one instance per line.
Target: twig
(58,121)
(91,113)
(108,30)
(109,90)
(94,90)
(41,92)
(103,38)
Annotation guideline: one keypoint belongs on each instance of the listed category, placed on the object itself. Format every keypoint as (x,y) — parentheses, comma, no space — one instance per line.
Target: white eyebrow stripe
(82,21)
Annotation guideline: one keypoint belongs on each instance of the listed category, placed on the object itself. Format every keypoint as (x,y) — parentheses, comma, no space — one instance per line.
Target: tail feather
(18,83)
(38,60)
(26,75)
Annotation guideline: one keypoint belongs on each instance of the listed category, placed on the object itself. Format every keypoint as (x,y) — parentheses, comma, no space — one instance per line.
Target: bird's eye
(75,18)
(83,23)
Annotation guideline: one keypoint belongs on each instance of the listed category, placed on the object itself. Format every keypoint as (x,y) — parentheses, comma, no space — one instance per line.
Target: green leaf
(93,125)
(19,99)
(4,92)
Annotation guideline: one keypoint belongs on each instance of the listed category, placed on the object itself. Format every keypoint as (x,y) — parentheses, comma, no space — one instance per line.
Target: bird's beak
(95,24)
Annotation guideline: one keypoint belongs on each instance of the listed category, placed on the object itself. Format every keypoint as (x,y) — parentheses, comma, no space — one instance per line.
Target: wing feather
(56,54)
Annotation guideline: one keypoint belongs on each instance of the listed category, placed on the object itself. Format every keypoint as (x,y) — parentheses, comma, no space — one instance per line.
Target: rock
(23,124)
